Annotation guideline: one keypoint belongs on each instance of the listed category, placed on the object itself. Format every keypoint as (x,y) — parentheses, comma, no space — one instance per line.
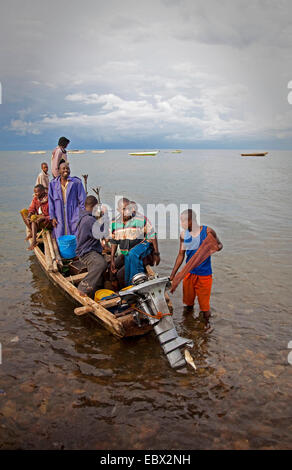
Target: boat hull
(120,327)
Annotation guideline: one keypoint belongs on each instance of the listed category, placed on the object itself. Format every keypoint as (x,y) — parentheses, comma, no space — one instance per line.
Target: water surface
(68,383)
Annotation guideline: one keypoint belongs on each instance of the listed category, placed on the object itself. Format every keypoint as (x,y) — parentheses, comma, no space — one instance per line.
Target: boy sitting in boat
(198,282)
(135,236)
(89,249)
(43,177)
(36,217)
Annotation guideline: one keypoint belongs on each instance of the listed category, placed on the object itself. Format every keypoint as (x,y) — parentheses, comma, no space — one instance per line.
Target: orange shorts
(197,286)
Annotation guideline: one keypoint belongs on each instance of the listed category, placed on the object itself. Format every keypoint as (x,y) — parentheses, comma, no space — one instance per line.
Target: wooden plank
(110,302)
(48,257)
(82,310)
(57,253)
(52,251)
(76,278)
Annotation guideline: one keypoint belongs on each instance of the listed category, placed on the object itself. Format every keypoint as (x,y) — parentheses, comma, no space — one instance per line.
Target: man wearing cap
(59,155)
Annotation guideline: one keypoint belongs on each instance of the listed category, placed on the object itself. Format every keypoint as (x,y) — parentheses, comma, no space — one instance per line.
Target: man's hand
(54,223)
(113,267)
(156,259)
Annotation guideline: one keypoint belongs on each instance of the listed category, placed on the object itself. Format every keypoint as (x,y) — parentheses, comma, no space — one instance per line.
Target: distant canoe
(75,151)
(97,151)
(155,152)
(176,151)
(263,154)
(38,152)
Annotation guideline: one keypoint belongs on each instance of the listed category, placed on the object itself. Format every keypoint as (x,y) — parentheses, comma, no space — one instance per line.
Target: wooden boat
(75,151)
(137,154)
(97,151)
(176,151)
(122,324)
(262,154)
(38,152)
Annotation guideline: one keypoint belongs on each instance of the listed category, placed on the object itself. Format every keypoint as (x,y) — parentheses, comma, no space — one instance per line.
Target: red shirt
(41,207)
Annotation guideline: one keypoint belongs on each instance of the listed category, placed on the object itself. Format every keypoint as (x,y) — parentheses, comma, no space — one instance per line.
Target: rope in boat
(158,316)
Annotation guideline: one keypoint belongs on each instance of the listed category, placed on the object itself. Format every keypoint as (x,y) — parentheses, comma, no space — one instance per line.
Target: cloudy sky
(146,74)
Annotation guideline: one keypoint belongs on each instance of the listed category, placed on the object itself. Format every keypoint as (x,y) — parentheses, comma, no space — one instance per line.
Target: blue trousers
(134,260)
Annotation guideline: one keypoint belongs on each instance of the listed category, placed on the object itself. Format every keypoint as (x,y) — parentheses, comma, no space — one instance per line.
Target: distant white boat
(176,151)
(75,151)
(97,151)
(38,152)
(153,153)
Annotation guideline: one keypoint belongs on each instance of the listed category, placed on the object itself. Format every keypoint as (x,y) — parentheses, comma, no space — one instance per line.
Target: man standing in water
(198,282)
(59,155)
(66,200)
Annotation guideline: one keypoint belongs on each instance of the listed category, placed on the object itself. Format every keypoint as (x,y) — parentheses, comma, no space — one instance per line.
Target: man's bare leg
(206,315)
(188,309)
(34,228)
(28,224)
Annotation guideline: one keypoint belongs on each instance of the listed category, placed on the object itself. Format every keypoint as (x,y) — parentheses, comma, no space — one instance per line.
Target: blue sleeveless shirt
(191,245)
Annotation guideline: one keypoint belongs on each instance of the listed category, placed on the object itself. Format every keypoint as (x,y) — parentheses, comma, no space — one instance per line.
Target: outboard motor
(149,297)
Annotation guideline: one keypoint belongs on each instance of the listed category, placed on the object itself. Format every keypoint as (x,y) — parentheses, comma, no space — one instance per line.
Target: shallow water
(65,382)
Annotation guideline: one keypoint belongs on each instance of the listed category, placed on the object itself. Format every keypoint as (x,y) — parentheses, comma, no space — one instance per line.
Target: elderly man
(66,200)
(136,238)
(59,155)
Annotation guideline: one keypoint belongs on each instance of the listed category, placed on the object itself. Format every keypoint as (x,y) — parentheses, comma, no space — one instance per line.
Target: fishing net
(208,247)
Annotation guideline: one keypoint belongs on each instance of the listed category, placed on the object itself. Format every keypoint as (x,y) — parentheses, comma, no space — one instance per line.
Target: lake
(67,383)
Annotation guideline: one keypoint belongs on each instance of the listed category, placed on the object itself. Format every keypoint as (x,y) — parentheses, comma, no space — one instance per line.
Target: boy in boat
(37,215)
(66,200)
(89,248)
(135,236)
(43,177)
(59,155)
(198,282)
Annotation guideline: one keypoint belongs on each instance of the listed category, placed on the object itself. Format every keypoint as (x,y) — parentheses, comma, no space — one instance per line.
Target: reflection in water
(68,383)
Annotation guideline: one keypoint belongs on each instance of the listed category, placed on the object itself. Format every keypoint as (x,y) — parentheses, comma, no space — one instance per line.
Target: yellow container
(102,293)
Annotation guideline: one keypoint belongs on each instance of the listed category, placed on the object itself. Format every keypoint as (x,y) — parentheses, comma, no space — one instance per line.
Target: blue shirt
(86,242)
(191,245)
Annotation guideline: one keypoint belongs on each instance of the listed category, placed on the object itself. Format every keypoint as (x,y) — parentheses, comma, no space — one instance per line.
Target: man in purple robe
(66,200)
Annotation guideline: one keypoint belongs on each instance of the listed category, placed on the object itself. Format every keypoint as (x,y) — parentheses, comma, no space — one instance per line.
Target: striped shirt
(131,232)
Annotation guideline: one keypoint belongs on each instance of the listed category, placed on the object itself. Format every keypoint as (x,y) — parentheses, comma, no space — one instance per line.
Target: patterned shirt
(131,232)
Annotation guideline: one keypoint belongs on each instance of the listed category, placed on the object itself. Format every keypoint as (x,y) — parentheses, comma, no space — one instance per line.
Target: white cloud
(216,113)
(178,69)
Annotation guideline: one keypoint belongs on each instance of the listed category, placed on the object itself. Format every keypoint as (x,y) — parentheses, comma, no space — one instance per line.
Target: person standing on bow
(66,200)
(59,155)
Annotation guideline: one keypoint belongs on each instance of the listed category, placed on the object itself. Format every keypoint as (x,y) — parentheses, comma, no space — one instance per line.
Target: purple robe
(75,198)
